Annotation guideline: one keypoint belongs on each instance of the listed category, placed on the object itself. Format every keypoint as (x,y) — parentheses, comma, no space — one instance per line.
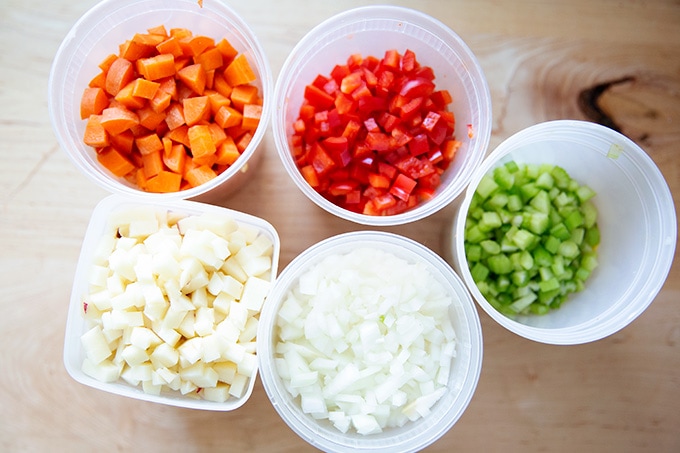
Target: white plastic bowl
(99,32)
(74,353)
(371,31)
(637,224)
(464,374)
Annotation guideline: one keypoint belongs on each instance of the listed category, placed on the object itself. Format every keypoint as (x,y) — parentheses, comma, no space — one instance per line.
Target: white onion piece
(365,340)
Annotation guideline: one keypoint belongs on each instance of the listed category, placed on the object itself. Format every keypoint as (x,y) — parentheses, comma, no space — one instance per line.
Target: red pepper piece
(318,98)
(416,87)
(403,186)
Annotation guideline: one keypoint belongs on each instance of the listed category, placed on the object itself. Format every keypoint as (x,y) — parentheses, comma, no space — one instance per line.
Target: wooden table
(618,394)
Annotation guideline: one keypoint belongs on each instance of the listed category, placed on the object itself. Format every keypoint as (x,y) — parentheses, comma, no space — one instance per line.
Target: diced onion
(365,340)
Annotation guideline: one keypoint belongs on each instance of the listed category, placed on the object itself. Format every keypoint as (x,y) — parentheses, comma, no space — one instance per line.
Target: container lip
(64,56)
(294,418)
(481,96)
(74,320)
(590,330)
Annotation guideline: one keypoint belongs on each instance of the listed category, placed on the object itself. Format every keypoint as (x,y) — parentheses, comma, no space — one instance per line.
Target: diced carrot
(134,49)
(179,135)
(118,75)
(149,118)
(244,141)
(221,86)
(182,62)
(227,152)
(170,46)
(118,119)
(107,62)
(137,177)
(126,97)
(164,181)
(158,30)
(145,88)
(239,72)
(169,85)
(194,77)
(207,159)
(209,79)
(98,81)
(210,59)
(217,133)
(176,158)
(227,117)
(196,109)
(180,32)
(152,163)
(157,67)
(115,162)
(95,134)
(216,100)
(242,95)
(149,144)
(226,49)
(200,141)
(195,45)
(123,142)
(251,116)
(175,116)
(94,100)
(199,175)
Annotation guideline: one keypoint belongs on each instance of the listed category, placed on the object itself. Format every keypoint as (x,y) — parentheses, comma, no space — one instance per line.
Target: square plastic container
(371,31)
(636,218)
(99,32)
(76,326)
(461,382)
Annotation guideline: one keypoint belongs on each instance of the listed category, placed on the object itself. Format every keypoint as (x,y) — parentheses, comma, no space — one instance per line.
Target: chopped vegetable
(365,346)
(375,135)
(531,237)
(143,106)
(173,301)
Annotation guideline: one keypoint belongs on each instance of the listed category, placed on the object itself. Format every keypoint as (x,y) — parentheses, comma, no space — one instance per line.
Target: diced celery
(479,272)
(473,252)
(503,177)
(573,220)
(512,166)
(490,247)
(582,274)
(538,222)
(589,261)
(545,181)
(592,236)
(474,235)
(557,266)
(486,187)
(560,232)
(561,177)
(568,249)
(520,278)
(541,201)
(489,221)
(577,235)
(528,191)
(551,244)
(514,203)
(496,202)
(584,193)
(520,304)
(589,214)
(533,171)
(523,239)
(551,284)
(546,272)
(499,264)
(526,261)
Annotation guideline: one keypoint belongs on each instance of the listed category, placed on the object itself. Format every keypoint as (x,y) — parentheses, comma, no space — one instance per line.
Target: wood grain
(608,60)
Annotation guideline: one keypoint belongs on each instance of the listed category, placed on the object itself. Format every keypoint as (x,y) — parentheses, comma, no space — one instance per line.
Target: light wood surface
(620,394)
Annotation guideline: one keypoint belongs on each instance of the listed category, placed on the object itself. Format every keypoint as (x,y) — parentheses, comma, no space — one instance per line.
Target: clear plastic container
(371,31)
(462,382)
(99,32)
(637,224)
(76,325)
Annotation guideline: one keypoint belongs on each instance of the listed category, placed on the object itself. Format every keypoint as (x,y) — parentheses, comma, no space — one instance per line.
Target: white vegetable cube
(215,283)
(103,250)
(198,244)
(262,245)
(168,335)
(164,375)
(219,394)
(248,365)
(220,225)
(252,262)
(193,275)
(238,314)
(101,299)
(191,350)
(115,284)
(95,345)
(134,355)
(164,241)
(255,291)
(143,268)
(222,302)
(143,338)
(186,328)
(122,262)
(199,297)
(238,386)
(212,350)
(205,321)
(200,375)
(97,276)
(165,265)
(365,424)
(232,267)
(104,371)
(142,228)
(232,351)
(226,371)
(340,420)
(232,287)
(187,387)
(164,356)
(313,403)
(228,331)
(249,331)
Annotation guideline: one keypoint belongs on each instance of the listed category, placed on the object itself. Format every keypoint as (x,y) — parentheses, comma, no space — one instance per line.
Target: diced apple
(249,331)
(205,321)
(221,303)
(150,388)
(143,338)
(104,371)
(98,275)
(95,345)
(232,286)
(219,393)
(247,365)
(228,331)
(238,385)
(187,387)
(186,328)
(100,299)
(143,268)
(226,371)
(200,375)
(238,314)
(134,355)
(211,349)
(232,268)
(199,297)
(254,293)
(233,352)
(164,356)
(191,350)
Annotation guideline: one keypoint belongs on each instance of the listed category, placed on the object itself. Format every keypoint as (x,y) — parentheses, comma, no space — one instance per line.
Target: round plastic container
(119,207)
(99,32)
(371,31)
(462,381)
(637,224)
